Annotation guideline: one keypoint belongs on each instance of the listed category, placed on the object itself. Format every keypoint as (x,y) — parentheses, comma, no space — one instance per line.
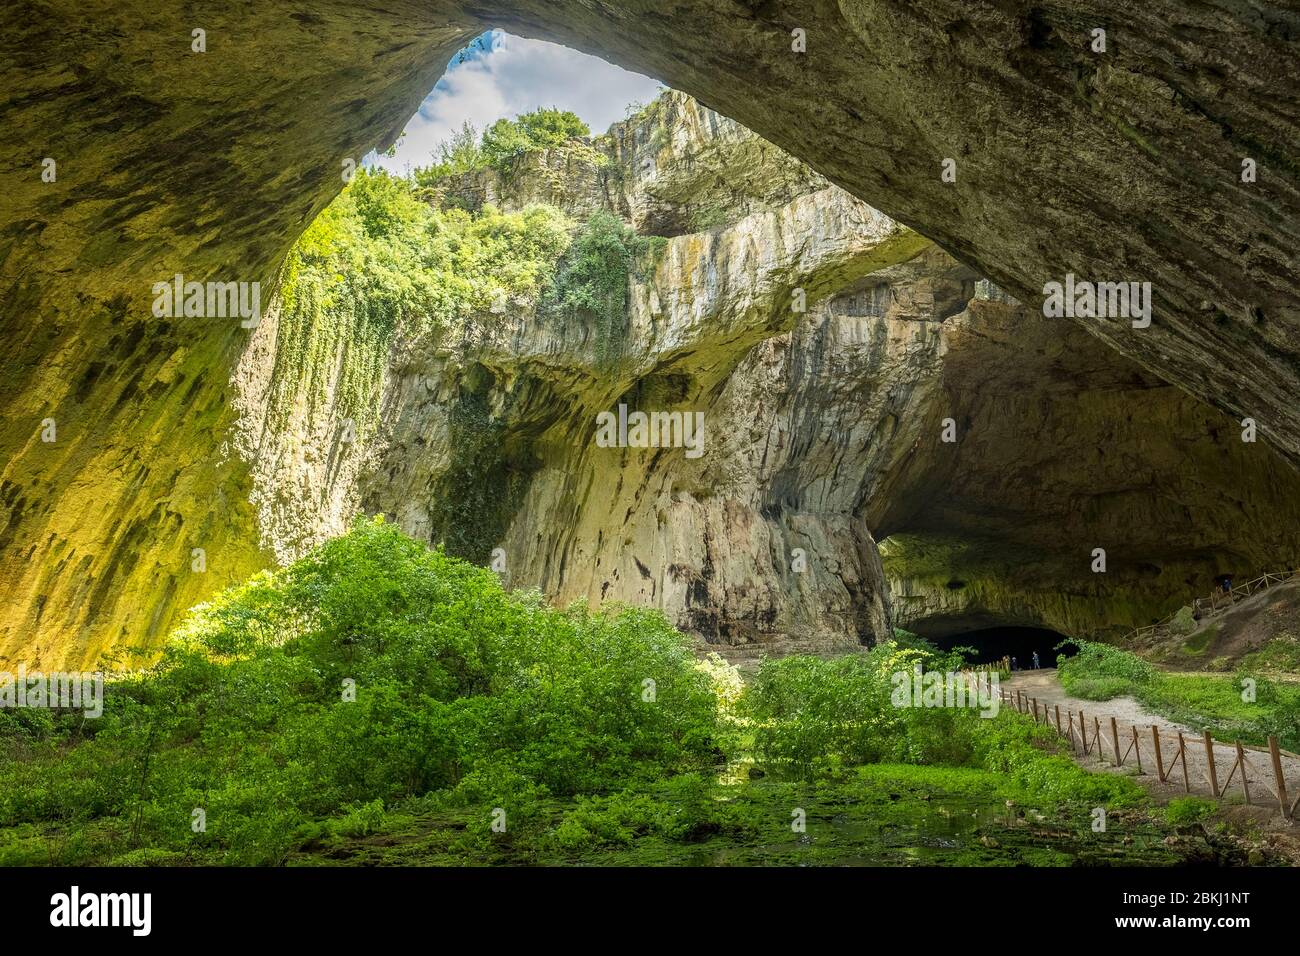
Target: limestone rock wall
(1119,165)
(492,440)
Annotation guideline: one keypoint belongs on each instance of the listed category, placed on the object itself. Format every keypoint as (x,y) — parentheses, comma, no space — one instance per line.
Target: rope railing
(1119,747)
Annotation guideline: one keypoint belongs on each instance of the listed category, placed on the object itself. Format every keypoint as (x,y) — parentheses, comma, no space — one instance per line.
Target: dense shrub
(811,714)
(543,128)
(1104,665)
(1183,811)
(593,277)
(460,689)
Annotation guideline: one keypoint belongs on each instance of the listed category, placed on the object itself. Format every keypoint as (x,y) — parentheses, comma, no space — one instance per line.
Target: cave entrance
(994,643)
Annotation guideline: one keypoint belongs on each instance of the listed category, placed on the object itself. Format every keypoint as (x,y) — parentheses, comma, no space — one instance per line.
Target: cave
(602,471)
(1070,430)
(1018,641)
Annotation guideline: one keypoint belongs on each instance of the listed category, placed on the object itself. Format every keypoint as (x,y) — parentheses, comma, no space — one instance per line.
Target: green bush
(505,140)
(1182,811)
(361,819)
(813,717)
(806,708)
(683,808)
(1099,688)
(460,689)
(1102,662)
(593,278)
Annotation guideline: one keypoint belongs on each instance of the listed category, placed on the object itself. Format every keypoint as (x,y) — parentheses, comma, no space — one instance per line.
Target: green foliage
(1033,756)
(460,690)
(1184,622)
(1281,654)
(362,819)
(806,707)
(807,710)
(1182,811)
(460,153)
(639,112)
(593,278)
(501,144)
(1096,661)
(378,260)
(505,140)
(1196,644)
(1212,702)
(467,700)
(684,808)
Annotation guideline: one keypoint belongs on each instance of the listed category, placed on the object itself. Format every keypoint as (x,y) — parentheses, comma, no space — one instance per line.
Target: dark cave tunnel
(994,643)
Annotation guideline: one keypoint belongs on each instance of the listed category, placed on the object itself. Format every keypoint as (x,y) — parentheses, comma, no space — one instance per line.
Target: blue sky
(501,75)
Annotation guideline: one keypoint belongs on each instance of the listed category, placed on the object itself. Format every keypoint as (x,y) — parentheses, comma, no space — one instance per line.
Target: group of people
(1015,665)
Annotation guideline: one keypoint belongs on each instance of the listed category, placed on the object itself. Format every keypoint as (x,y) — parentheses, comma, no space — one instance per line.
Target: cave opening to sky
(499,76)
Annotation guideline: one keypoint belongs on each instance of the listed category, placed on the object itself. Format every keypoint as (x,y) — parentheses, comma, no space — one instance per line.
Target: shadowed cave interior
(994,643)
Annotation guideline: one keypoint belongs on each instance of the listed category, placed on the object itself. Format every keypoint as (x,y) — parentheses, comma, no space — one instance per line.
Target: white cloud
(504,75)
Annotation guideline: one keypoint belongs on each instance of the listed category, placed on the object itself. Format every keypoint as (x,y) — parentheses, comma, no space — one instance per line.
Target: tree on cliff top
(501,143)
(540,129)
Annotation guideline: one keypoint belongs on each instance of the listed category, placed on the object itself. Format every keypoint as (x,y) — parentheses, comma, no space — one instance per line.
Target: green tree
(505,140)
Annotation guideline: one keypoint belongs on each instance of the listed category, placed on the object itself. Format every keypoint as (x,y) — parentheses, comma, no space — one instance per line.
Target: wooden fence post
(1160,760)
(1209,761)
(1137,748)
(1114,739)
(1277,773)
(1058,718)
(1096,735)
(1241,764)
(1083,732)
(1034,701)
(1182,752)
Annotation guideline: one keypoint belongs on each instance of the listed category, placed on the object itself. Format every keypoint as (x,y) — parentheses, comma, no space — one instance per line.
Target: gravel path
(1043,685)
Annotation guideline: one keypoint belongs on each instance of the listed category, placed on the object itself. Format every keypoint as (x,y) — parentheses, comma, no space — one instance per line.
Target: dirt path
(1043,685)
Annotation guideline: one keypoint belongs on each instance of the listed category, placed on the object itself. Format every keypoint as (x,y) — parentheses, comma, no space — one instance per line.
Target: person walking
(1035,660)
(1014,667)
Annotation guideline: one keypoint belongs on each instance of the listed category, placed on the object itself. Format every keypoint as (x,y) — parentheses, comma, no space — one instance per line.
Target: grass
(1196,644)
(1279,656)
(1243,706)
